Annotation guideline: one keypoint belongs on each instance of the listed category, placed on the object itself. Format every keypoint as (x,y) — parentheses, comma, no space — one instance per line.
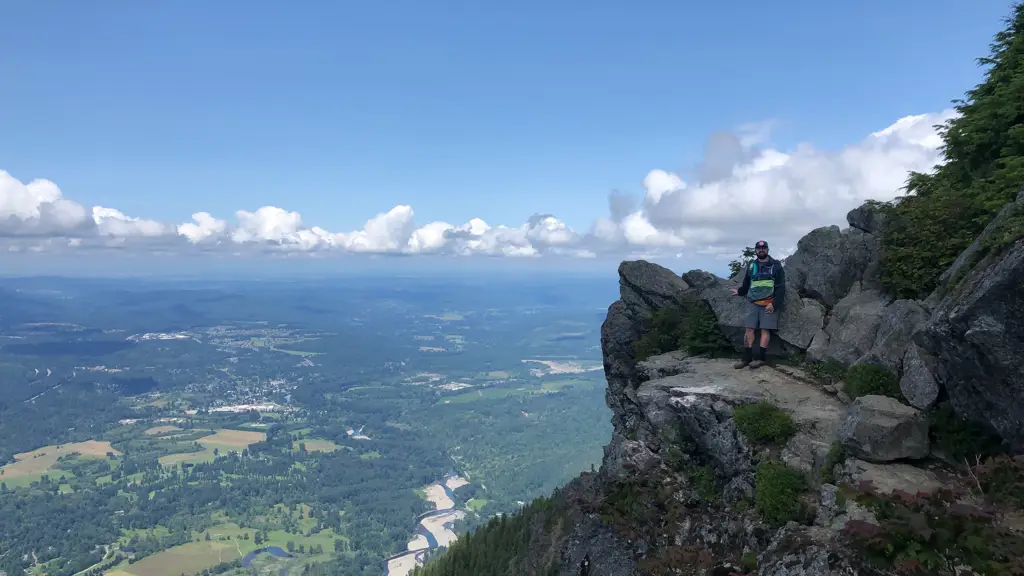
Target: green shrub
(748,562)
(836,456)
(706,483)
(690,326)
(777,493)
(1002,480)
(870,379)
(961,439)
(764,423)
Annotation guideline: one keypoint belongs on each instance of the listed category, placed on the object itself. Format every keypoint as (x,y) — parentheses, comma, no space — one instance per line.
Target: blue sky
(498,111)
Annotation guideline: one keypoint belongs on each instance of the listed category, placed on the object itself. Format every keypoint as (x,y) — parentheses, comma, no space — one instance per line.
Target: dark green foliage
(777,493)
(1002,480)
(764,423)
(640,507)
(504,545)
(829,372)
(870,379)
(706,483)
(836,455)
(961,439)
(748,562)
(932,533)
(690,326)
(983,170)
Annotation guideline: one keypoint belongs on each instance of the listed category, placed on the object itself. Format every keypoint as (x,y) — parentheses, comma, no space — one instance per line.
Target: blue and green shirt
(764,282)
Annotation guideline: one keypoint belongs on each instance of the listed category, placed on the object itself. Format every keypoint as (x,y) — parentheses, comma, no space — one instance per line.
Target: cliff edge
(881,442)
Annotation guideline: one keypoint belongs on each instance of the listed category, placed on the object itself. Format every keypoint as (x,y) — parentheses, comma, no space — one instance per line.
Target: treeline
(506,545)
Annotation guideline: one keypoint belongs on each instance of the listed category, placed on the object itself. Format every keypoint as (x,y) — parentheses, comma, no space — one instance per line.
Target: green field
(484,394)
(190,558)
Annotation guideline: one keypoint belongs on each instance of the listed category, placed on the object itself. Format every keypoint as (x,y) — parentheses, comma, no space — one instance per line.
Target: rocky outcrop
(829,261)
(696,406)
(677,432)
(976,333)
(866,218)
(643,288)
(880,429)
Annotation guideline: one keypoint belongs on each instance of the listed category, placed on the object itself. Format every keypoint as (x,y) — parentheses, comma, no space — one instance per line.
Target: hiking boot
(756,364)
(745,358)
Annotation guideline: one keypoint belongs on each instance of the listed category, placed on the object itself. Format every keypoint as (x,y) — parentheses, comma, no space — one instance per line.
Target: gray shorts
(757,317)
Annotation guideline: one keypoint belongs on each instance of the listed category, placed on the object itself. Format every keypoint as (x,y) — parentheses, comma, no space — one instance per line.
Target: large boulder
(880,429)
(854,325)
(898,323)
(976,335)
(828,262)
(644,286)
(866,217)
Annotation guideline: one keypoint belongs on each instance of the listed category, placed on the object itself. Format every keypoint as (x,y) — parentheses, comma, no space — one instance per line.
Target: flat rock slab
(662,365)
(715,380)
(887,478)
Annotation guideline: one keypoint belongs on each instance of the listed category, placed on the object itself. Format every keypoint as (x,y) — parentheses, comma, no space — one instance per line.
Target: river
(432,528)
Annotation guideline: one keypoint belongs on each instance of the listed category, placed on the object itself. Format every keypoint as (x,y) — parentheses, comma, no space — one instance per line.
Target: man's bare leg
(748,349)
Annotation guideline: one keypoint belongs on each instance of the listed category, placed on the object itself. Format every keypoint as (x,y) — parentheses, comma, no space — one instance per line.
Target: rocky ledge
(835,459)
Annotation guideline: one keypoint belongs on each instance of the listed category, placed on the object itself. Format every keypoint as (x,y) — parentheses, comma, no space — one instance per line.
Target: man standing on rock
(764,285)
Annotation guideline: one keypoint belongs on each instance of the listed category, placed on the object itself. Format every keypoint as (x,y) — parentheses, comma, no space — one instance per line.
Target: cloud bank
(739,186)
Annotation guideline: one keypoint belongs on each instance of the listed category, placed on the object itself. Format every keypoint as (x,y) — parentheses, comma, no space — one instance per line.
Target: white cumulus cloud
(741,191)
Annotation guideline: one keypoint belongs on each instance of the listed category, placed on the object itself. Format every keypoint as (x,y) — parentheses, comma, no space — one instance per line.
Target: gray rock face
(866,218)
(817,351)
(898,323)
(647,286)
(662,365)
(829,261)
(729,310)
(976,334)
(643,288)
(880,429)
(597,545)
(918,384)
(624,457)
(854,326)
(801,551)
(835,517)
(801,320)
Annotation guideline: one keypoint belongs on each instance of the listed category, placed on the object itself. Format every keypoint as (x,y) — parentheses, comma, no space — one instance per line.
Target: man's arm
(780,286)
(745,285)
